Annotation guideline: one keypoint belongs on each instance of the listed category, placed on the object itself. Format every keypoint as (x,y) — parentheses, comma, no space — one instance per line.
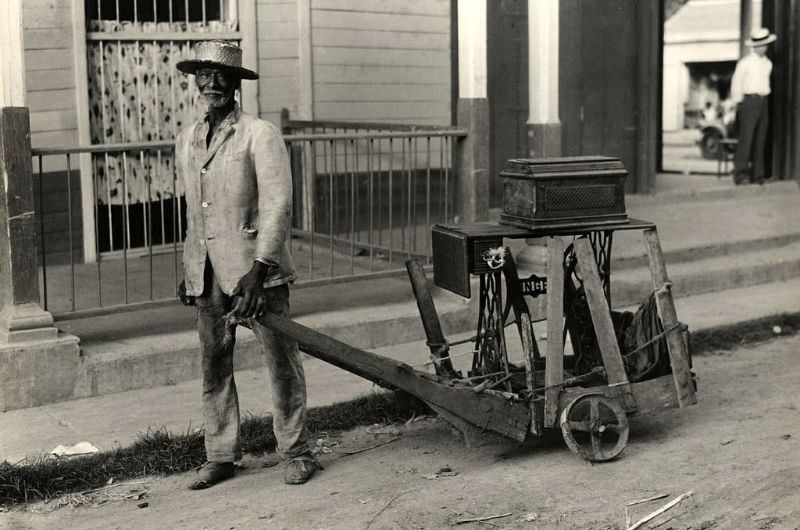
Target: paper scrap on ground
(80,448)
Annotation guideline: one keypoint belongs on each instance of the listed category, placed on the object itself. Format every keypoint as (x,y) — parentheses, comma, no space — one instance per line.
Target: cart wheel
(595,427)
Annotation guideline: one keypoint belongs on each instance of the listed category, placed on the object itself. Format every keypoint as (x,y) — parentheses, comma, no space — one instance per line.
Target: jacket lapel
(224,131)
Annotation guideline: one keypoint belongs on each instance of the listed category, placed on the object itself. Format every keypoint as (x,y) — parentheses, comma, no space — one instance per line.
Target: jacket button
(204,171)
(204,204)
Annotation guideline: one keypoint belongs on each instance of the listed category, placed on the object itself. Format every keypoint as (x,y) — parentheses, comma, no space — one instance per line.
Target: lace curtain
(137,95)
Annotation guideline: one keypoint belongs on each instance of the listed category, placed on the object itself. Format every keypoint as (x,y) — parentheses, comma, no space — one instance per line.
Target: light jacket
(238,198)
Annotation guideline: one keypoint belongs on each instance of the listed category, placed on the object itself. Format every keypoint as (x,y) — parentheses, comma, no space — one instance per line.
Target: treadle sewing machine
(621,363)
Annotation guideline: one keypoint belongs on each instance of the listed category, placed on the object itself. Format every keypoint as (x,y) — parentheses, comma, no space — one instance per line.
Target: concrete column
(544,124)
(37,364)
(472,153)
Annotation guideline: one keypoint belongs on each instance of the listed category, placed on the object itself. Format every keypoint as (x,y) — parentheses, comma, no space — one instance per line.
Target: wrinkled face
(216,86)
(760,50)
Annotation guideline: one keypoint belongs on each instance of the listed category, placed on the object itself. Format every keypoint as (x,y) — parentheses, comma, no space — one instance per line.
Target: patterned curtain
(137,95)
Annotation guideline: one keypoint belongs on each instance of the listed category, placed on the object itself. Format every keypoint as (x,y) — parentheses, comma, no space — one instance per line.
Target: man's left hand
(251,299)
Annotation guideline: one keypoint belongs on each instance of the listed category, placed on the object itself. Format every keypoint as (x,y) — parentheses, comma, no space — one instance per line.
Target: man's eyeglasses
(206,76)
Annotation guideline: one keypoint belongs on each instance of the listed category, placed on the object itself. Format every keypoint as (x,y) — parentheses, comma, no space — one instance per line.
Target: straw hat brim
(763,42)
(192,66)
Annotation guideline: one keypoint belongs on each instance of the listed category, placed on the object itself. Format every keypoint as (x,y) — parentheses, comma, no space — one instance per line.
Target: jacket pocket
(236,154)
(249,231)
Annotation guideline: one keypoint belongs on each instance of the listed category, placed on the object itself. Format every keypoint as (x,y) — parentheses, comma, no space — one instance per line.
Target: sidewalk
(116,419)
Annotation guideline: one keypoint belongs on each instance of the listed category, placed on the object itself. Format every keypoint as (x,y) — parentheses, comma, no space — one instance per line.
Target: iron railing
(364,202)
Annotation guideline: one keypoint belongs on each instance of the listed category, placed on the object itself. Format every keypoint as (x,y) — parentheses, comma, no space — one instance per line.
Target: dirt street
(738,450)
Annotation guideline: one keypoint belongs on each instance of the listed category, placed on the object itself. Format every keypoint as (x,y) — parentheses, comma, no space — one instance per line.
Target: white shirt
(751,77)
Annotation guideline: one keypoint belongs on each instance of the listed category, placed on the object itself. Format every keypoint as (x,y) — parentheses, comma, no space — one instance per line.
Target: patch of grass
(753,332)
(158,452)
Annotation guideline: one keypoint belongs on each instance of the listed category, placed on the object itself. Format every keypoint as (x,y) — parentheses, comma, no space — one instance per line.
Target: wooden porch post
(472,153)
(21,317)
(37,363)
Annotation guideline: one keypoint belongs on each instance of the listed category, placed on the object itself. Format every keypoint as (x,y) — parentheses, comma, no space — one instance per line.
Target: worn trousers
(752,115)
(220,400)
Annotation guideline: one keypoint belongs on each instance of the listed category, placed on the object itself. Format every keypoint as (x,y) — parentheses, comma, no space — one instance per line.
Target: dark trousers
(753,117)
(220,399)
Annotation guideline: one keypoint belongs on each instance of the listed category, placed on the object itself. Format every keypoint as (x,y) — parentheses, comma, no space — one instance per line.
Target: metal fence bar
(69,228)
(355,222)
(41,232)
(428,200)
(126,236)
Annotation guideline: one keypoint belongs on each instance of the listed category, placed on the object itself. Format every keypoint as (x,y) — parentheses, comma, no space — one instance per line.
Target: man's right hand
(186,299)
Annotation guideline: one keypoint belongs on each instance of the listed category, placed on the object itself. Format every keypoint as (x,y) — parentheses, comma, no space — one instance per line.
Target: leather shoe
(211,473)
(301,468)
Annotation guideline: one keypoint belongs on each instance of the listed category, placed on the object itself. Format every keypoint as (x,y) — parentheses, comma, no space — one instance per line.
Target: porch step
(728,271)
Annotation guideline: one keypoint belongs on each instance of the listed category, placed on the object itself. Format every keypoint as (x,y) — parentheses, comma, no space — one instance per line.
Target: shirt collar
(227,122)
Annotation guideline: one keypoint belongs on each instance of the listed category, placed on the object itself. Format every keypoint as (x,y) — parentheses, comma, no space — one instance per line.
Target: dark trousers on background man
(753,116)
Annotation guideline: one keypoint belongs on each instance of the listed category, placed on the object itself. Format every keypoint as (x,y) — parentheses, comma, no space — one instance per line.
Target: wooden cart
(591,407)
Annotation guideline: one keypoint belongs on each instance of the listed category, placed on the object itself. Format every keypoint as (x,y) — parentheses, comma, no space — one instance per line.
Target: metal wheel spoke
(580,426)
(596,449)
(594,410)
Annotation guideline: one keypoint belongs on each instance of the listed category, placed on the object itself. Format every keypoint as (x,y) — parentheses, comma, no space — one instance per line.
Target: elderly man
(749,90)
(238,185)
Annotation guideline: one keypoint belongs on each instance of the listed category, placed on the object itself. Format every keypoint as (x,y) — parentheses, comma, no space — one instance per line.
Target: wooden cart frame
(585,414)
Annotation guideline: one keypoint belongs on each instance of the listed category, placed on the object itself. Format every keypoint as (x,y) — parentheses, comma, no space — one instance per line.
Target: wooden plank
(277,67)
(268,31)
(530,350)
(43,17)
(382,39)
(484,410)
(653,395)
(283,13)
(50,79)
(381,57)
(383,92)
(365,110)
(430,320)
(41,100)
(47,59)
(43,139)
(305,89)
(379,21)
(278,49)
(398,7)
(47,39)
(678,354)
(601,313)
(278,87)
(54,120)
(19,281)
(554,367)
(326,73)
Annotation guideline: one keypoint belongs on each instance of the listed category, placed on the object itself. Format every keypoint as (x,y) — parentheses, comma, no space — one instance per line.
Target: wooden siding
(49,72)
(381,61)
(278,57)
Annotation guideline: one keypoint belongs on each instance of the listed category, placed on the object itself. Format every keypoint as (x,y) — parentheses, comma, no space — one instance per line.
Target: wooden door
(507,86)
(610,83)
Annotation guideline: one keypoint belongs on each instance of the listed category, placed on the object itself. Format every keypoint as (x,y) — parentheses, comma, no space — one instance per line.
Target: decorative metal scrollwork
(495,258)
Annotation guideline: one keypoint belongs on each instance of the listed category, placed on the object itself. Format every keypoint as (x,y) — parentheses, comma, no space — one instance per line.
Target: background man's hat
(761,37)
(217,54)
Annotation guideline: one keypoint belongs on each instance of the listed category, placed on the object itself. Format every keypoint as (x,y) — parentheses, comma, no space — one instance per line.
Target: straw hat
(761,37)
(217,54)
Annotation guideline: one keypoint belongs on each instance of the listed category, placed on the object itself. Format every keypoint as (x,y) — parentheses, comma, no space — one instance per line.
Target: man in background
(750,89)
